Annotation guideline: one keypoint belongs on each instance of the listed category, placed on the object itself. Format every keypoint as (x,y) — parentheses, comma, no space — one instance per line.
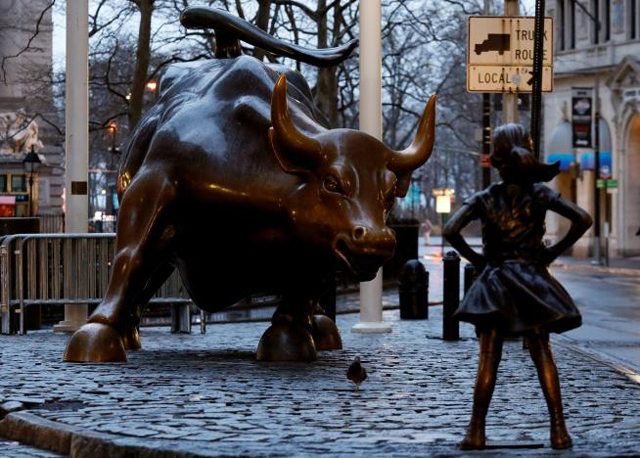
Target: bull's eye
(332,185)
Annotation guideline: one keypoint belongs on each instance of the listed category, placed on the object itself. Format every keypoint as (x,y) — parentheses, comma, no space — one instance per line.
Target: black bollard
(413,290)
(469,276)
(451,295)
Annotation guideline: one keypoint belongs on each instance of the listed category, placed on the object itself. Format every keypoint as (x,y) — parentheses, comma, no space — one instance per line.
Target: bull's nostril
(358,232)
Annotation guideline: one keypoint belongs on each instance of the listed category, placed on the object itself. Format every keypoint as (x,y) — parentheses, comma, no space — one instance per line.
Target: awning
(560,148)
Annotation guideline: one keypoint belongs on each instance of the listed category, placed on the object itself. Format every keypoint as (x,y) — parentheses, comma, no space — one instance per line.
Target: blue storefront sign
(566,159)
(588,161)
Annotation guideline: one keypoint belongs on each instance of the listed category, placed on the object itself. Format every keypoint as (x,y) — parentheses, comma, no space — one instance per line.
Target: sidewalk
(205,395)
(628,266)
(623,266)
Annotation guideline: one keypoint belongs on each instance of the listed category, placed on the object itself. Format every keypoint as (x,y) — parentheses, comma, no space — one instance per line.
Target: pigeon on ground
(356,373)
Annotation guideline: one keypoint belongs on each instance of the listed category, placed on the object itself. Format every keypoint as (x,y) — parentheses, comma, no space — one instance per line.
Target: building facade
(605,61)
(27,114)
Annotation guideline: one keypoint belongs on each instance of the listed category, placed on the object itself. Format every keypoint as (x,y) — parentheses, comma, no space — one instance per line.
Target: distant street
(610,306)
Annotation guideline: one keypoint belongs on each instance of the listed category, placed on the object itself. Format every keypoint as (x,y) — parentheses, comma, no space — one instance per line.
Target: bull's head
(349,183)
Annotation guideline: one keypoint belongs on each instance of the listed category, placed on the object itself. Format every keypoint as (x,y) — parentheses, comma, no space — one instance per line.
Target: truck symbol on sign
(500,42)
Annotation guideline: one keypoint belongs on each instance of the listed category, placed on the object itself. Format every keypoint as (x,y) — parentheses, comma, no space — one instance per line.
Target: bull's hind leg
(323,329)
(326,334)
(145,235)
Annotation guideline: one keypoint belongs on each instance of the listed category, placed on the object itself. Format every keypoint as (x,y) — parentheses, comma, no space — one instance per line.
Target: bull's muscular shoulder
(243,78)
(220,110)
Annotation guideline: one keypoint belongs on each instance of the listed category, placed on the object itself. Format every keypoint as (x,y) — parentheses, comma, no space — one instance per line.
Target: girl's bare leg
(490,354)
(548,375)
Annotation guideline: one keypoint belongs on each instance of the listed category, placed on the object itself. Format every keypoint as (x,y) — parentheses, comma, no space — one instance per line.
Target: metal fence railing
(51,223)
(41,269)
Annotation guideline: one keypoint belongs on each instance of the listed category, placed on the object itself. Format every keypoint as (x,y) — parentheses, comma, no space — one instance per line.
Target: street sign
(443,192)
(581,116)
(609,184)
(500,54)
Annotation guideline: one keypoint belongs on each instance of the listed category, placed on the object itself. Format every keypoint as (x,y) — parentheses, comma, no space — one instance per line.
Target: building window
(633,12)
(617,16)
(18,183)
(595,10)
(572,24)
(3,183)
(607,20)
(561,42)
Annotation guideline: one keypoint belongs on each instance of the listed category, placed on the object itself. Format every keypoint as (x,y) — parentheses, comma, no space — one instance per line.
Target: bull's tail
(229,29)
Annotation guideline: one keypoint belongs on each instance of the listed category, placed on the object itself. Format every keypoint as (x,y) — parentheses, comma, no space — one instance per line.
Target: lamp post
(596,143)
(31,165)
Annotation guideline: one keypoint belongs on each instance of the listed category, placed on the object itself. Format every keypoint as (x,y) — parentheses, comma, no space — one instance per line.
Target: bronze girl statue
(514,294)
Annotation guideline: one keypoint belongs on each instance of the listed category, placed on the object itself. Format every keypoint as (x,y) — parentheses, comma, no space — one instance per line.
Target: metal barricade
(40,269)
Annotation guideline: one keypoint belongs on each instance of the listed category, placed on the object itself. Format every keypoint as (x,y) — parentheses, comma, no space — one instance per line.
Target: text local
(494,77)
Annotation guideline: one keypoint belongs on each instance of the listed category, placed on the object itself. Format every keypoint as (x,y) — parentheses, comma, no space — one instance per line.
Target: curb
(36,431)
(599,269)
(602,358)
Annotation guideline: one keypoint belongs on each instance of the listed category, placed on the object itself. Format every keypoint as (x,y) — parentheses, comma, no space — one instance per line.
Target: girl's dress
(515,292)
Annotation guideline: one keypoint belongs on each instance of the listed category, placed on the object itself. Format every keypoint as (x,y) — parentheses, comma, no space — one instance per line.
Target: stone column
(371,123)
(77,139)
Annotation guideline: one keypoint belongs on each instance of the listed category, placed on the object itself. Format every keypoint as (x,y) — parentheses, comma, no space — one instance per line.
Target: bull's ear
(280,153)
(296,152)
(402,185)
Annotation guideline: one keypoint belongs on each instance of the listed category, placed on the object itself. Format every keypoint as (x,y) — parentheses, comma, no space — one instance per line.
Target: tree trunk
(262,21)
(326,90)
(142,62)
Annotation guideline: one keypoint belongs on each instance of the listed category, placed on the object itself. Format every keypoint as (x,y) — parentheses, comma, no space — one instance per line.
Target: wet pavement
(205,395)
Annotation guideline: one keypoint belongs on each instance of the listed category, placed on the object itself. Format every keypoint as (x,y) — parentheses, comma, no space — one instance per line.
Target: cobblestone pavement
(206,395)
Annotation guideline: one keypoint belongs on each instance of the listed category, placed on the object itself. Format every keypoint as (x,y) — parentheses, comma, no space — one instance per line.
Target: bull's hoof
(131,338)
(95,343)
(286,343)
(326,334)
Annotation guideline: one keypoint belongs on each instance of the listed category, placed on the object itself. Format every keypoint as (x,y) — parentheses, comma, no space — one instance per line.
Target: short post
(181,318)
(203,322)
(413,289)
(451,296)
(469,277)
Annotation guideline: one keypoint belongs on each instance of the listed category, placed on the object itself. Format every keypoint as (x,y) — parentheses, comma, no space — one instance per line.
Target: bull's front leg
(143,247)
(289,338)
(298,329)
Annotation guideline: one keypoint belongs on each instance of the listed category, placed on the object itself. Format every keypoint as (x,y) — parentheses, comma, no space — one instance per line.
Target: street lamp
(31,165)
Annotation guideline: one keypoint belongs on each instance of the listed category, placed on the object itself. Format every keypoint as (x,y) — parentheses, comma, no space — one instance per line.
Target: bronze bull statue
(232,179)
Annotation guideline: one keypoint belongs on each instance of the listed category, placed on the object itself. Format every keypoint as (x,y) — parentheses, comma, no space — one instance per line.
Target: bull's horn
(419,151)
(286,133)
